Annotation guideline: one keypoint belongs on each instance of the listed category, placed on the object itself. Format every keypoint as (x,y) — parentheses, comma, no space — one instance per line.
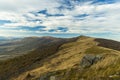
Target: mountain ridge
(63,58)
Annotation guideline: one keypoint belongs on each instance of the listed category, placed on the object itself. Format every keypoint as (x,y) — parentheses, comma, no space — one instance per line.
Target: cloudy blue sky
(60,18)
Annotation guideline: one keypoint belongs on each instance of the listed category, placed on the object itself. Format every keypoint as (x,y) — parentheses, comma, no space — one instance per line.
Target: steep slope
(25,45)
(108,43)
(83,59)
(47,47)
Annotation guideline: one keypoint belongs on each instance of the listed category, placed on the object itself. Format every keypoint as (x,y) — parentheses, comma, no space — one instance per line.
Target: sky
(60,18)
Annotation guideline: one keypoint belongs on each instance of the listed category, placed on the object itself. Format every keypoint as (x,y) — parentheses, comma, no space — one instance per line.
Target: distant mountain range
(19,46)
(7,38)
(50,58)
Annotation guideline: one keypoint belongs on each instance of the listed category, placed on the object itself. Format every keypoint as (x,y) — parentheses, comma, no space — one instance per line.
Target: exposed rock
(90,59)
(48,76)
(52,78)
(82,79)
(43,77)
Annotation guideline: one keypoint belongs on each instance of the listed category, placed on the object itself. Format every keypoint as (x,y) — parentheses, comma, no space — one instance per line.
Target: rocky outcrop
(90,59)
(48,76)
(53,78)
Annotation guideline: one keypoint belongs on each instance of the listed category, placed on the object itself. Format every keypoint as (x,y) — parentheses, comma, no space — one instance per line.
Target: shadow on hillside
(15,66)
(108,43)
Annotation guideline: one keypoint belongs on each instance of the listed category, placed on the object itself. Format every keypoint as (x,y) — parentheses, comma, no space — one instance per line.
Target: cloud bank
(36,17)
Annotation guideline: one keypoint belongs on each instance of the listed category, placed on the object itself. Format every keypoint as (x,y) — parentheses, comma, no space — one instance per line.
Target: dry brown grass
(69,56)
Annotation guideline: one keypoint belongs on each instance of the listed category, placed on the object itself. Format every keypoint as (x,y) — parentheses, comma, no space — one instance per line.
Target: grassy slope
(65,64)
(18,65)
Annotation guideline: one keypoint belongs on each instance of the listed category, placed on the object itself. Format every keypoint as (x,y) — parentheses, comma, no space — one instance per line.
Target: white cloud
(101,18)
(25,5)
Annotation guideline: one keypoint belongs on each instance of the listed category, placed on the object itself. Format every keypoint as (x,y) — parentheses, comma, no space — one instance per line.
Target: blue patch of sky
(35,20)
(4,22)
(31,19)
(60,29)
(62,7)
(34,13)
(65,4)
(70,4)
(103,1)
(100,14)
(52,30)
(82,15)
(45,12)
(36,28)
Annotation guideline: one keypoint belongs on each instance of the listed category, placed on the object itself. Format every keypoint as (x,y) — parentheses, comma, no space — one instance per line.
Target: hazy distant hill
(80,58)
(13,48)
